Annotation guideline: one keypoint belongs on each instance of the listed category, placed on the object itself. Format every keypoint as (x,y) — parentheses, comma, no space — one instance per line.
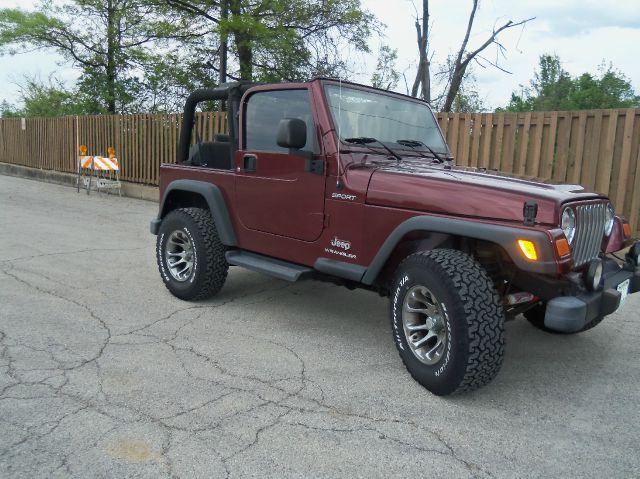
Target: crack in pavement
(263,389)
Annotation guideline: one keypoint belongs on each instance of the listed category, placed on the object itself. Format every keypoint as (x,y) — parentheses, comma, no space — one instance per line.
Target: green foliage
(386,76)
(109,41)
(275,40)
(148,55)
(553,89)
(46,99)
(467,101)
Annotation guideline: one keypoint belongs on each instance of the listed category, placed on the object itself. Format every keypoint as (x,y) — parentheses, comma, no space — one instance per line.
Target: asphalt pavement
(104,374)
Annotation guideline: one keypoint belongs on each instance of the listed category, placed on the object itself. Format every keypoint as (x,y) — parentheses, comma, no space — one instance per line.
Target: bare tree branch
(460,66)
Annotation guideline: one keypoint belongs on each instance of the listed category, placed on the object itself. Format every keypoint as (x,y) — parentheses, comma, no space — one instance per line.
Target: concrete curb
(132,190)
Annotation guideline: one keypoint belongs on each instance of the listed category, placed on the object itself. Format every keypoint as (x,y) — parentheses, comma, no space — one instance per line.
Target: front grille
(590,221)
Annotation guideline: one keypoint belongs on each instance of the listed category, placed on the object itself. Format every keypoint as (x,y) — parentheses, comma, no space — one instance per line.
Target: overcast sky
(582,32)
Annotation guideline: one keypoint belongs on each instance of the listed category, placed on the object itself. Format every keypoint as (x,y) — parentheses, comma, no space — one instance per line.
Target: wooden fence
(599,149)
(142,142)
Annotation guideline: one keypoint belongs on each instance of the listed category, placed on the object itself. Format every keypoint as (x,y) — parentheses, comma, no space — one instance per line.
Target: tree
(108,40)
(553,89)
(45,99)
(458,66)
(468,99)
(273,40)
(386,76)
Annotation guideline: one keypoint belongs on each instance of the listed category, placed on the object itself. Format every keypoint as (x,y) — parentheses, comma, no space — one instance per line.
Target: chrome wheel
(179,255)
(424,325)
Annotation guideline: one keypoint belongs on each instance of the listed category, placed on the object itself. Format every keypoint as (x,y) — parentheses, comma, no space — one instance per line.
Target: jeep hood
(416,185)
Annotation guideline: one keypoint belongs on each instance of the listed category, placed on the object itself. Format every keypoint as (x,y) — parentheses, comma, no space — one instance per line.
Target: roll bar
(231,92)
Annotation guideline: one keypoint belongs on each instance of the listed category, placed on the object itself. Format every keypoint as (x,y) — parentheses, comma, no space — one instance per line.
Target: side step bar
(271,266)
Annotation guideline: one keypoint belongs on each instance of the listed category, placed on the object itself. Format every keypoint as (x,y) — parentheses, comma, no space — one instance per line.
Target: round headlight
(610,214)
(569,224)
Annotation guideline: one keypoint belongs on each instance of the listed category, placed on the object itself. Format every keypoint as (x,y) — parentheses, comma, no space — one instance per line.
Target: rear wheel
(447,320)
(190,255)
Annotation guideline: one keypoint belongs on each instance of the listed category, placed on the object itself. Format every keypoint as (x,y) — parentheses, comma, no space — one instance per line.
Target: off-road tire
(473,315)
(210,265)
(536,317)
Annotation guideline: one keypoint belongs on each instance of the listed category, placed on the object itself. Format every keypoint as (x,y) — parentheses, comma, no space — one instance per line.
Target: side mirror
(292,133)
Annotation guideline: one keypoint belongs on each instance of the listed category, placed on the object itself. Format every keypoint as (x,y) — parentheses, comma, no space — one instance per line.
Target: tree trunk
(456,80)
(423,75)
(224,45)
(243,42)
(111,57)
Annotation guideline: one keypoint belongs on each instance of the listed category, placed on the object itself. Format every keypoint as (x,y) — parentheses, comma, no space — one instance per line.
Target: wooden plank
(476,132)
(135,132)
(150,125)
(177,137)
(147,150)
(148,136)
(465,132)
(534,148)
(117,140)
(171,144)
(592,150)
(157,153)
(562,149)
(625,158)
(120,149)
(508,146)
(605,158)
(160,152)
(129,147)
(576,166)
(487,140)
(452,140)
(523,145)
(497,150)
(443,122)
(548,155)
(635,198)
(141,137)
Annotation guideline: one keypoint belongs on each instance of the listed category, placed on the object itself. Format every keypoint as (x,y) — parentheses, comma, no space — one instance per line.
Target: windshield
(360,113)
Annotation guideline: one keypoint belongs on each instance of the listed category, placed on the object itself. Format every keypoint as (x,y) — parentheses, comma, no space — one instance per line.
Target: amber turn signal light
(528,249)
(562,247)
(627,230)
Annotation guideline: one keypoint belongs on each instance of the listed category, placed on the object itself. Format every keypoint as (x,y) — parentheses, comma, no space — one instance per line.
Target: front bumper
(569,314)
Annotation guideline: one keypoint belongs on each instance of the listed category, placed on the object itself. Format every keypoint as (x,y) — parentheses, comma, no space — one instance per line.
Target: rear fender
(213,198)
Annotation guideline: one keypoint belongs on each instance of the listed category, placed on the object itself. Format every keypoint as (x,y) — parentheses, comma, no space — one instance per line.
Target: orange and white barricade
(105,170)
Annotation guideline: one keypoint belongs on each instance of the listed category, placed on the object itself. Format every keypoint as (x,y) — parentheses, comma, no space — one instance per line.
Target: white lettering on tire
(448,355)
(195,255)
(396,297)
(159,250)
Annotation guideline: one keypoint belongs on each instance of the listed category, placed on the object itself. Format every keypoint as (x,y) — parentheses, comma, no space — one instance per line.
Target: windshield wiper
(365,141)
(415,143)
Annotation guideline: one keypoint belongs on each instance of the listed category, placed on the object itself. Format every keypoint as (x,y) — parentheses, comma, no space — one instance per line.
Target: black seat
(212,154)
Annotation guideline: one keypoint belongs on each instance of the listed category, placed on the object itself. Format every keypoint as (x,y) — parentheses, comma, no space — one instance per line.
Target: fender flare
(504,236)
(215,200)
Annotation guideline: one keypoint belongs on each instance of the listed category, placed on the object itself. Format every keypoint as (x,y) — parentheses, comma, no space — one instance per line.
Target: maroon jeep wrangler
(330,180)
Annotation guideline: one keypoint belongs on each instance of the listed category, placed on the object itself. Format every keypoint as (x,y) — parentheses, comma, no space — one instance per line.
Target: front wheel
(190,255)
(447,320)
